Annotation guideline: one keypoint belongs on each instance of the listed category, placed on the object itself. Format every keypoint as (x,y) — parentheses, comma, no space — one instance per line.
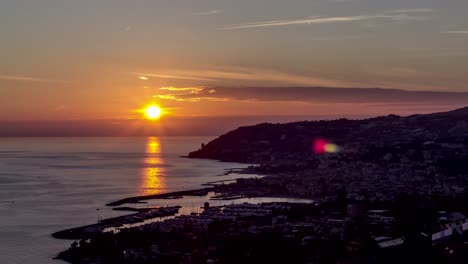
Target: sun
(153,112)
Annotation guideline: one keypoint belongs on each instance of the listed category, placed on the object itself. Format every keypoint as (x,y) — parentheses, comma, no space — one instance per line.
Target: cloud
(456,32)
(189,94)
(321,95)
(404,18)
(307,21)
(26,79)
(400,72)
(395,15)
(165,96)
(208,13)
(176,76)
(213,76)
(339,37)
(191,90)
(436,53)
(194,99)
(412,10)
(251,76)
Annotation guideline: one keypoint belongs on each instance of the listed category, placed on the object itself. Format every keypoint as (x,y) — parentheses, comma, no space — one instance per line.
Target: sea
(52,184)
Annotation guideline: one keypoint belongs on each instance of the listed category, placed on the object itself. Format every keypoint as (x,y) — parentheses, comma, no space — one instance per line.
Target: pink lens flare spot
(319,146)
(322,146)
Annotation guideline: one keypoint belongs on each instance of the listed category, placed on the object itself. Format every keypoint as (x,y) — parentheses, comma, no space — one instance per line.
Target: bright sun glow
(153,112)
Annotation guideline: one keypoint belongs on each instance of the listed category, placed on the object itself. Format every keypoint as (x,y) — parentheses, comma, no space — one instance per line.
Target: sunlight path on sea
(153,176)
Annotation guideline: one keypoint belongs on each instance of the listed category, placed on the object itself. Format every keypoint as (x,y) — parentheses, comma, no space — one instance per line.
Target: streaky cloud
(413,10)
(341,1)
(400,16)
(190,89)
(176,76)
(245,74)
(26,79)
(312,20)
(456,32)
(378,98)
(189,94)
(328,95)
(207,13)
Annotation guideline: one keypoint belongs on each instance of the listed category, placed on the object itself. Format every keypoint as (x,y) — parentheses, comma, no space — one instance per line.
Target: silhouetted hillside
(266,142)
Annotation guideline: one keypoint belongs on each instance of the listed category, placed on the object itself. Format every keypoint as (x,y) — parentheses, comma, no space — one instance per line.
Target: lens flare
(322,146)
(331,148)
(319,146)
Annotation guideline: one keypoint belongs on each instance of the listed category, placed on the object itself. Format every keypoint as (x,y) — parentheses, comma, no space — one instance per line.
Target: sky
(104,59)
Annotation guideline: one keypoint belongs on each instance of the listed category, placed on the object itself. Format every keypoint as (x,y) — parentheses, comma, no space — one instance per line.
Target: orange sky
(83,60)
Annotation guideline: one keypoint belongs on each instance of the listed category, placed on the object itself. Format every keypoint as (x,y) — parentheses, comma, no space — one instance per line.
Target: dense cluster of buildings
(423,168)
(270,232)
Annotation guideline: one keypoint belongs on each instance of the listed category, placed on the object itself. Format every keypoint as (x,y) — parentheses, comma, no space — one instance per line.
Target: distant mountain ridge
(266,142)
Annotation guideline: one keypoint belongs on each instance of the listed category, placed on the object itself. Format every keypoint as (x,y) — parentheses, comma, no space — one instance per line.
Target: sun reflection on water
(153,178)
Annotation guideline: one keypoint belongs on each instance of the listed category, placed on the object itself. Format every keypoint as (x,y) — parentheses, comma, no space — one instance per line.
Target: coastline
(239,189)
(138,199)
(93,230)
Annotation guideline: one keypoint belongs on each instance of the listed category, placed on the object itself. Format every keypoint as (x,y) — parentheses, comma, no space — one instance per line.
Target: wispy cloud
(456,32)
(194,99)
(340,1)
(440,53)
(395,15)
(292,94)
(405,18)
(435,52)
(176,76)
(339,37)
(191,90)
(412,10)
(448,54)
(211,76)
(307,21)
(189,94)
(314,95)
(399,72)
(26,79)
(207,13)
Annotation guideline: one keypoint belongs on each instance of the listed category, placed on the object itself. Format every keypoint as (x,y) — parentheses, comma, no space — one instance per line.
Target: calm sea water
(50,184)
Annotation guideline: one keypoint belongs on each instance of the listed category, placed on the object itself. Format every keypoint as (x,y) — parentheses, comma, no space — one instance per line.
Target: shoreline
(142,214)
(177,194)
(230,192)
(89,231)
(213,186)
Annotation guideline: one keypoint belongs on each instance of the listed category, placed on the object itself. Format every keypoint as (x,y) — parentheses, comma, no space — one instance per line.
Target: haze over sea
(51,184)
